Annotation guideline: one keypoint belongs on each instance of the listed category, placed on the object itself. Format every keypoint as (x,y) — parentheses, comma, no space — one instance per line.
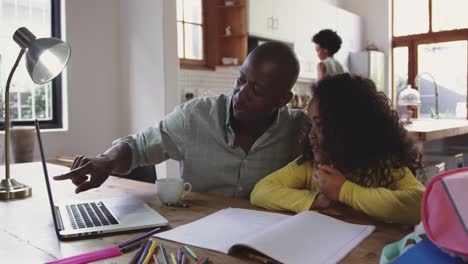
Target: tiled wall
(208,83)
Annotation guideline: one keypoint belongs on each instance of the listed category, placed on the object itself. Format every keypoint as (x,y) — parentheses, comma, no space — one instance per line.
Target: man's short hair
(280,55)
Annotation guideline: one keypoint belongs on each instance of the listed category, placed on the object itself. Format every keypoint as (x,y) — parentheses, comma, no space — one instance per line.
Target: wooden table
(27,232)
(426,129)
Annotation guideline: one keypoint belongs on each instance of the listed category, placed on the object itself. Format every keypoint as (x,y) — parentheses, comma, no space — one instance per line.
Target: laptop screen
(46,175)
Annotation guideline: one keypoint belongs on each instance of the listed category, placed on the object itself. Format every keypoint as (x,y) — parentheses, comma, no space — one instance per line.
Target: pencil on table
(145,251)
(163,253)
(173,258)
(153,246)
(155,258)
(179,255)
(133,246)
(190,252)
(203,260)
(137,255)
(138,238)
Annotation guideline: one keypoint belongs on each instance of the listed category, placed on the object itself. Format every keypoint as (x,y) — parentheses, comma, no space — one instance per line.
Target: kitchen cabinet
(350,29)
(303,45)
(272,19)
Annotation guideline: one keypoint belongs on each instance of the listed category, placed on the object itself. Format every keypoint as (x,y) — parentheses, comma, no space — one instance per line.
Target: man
(226,143)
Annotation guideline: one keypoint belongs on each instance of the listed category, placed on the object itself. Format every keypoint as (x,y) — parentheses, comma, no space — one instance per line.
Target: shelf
(232,36)
(233,45)
(229,7)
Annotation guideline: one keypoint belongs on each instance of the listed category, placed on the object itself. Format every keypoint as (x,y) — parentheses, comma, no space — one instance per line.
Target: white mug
(172,190)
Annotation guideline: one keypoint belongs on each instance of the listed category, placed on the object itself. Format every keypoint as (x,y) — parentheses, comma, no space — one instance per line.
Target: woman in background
(327,43)
(356,153)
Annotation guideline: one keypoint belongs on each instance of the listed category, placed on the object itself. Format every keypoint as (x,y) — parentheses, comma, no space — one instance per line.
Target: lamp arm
(7,116)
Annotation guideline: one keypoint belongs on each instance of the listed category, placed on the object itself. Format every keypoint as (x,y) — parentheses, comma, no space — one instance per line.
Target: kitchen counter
(426,129)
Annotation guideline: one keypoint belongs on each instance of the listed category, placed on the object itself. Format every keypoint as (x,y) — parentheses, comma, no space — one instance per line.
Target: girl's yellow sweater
(292,189)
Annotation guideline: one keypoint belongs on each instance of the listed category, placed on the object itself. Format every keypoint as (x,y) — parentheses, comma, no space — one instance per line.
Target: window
(430,50)
(190,32)
(27,99)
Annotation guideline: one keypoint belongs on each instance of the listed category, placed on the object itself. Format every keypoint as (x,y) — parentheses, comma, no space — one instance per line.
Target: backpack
(444,215)
(444,211)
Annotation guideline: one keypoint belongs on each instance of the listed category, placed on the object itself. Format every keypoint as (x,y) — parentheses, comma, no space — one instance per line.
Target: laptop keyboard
(89,215)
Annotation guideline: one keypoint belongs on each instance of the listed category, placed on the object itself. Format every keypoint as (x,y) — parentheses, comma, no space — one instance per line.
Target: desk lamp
(45,59)
(409,97)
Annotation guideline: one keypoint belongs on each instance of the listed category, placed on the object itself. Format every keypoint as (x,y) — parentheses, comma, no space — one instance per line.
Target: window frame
(56,121)
(412,42)
(192,62)
(209,39)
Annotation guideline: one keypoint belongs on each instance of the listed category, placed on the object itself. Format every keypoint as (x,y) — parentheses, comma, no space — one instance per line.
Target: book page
(309,237)
(221,230)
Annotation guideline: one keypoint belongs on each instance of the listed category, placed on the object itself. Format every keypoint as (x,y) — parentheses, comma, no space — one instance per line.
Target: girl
(356,153)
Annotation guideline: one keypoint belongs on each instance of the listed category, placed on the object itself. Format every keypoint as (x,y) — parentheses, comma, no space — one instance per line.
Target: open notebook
(307,237)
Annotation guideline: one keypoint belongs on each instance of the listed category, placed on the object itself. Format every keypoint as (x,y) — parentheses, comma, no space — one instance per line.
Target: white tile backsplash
(209,83)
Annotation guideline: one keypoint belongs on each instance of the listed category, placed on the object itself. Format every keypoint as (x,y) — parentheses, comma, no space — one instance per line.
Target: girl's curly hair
(362,135)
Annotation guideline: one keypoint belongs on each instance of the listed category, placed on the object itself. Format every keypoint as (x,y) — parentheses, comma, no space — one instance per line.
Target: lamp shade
(45,57)
(409,96)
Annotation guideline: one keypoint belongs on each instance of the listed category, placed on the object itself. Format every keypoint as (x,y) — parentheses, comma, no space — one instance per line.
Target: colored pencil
(173,258)
(163,253)
(138,238)
(190,252)
(153,246)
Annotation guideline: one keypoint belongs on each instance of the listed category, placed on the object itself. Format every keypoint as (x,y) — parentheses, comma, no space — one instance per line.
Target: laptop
(93,217)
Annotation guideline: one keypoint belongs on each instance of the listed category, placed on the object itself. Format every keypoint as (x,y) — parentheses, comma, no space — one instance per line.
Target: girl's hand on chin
(329,180)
